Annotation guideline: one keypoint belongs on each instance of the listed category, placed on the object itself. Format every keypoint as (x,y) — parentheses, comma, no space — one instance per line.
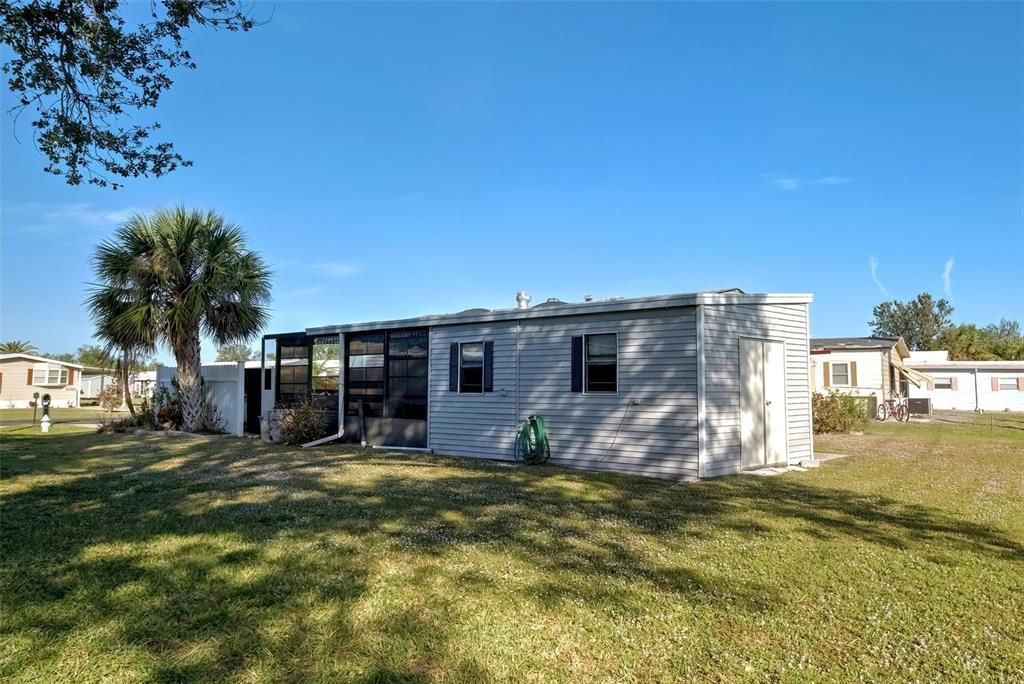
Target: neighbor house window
(601,367)
(1007,383)
(471,367)
(840,373)
(49,375)
(943,383)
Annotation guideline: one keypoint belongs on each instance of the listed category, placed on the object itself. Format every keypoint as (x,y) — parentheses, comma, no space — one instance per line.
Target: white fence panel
(223,387)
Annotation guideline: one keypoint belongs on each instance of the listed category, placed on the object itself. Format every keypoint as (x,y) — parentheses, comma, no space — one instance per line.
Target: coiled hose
(532,445)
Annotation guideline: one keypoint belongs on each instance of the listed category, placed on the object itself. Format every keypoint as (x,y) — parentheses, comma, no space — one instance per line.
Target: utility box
(920,407)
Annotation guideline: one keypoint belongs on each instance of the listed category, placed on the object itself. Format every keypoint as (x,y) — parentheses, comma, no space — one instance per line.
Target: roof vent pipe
(523,300)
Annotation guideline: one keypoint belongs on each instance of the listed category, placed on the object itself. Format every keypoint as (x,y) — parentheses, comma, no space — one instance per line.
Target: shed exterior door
(763,402)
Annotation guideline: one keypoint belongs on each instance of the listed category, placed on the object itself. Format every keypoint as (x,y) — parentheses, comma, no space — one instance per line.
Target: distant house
(969,385)
(863,366)
(95,380)
(23,375)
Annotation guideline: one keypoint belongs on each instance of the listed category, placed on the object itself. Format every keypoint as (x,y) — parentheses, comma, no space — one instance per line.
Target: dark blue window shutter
(488,366)
(453,367)
(577,363)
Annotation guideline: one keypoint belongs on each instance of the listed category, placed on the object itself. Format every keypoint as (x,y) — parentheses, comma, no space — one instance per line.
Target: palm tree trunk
(126,372)
(190,380)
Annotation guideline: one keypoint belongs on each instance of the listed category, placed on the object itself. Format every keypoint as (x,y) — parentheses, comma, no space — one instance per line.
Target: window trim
(482,362)
(832,374)
(41,375)
(586,364)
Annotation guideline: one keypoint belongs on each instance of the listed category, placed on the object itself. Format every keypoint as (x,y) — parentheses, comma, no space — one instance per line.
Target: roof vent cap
(523,300)
(588,297)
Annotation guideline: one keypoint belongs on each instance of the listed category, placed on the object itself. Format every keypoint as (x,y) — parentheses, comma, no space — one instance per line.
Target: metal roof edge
(572,309)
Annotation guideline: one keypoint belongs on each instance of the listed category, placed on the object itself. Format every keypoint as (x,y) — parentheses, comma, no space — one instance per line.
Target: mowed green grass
(171,559)
(62,414)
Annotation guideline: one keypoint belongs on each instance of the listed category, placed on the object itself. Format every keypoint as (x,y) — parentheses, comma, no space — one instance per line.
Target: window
(840,373)
(47,375)
(1007,383)
(293,374)
(407,374)
(365,370)
(601,354)
(325,365)
(471,368)
(943,383)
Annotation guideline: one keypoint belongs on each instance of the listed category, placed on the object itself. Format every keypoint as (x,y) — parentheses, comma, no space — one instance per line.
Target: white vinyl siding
(723,326)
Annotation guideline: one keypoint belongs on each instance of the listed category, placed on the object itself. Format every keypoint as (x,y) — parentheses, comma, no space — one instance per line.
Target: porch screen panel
(365,370)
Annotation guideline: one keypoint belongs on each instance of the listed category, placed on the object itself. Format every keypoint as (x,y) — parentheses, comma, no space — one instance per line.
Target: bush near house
(837,412)
(302,423)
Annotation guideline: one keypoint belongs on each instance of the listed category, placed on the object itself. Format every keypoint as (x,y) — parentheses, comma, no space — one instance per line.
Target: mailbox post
(35,405)
(44,424)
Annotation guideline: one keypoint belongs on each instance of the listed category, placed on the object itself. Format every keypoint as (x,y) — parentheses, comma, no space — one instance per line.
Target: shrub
(837,412)
(167,406)
(110,397)
(302,423)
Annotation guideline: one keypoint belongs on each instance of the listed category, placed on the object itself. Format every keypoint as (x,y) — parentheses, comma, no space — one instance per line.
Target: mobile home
(687,385)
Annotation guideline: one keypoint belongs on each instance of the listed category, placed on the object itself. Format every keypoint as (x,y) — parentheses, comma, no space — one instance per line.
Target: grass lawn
(56,414)
(156,559)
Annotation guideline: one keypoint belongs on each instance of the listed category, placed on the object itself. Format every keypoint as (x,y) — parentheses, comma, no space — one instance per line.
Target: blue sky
(394,160)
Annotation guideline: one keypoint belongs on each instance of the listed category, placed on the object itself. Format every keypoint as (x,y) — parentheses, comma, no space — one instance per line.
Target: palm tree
(18,347)
(171,276)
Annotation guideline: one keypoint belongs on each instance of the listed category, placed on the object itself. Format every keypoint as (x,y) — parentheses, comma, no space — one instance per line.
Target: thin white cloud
(56,219)
(873,266)
(832,180)
(782,182)
(412,196)
(337,269)
(947,279)
(787,182)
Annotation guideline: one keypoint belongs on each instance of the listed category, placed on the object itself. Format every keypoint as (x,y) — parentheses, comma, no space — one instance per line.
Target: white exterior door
(763,402)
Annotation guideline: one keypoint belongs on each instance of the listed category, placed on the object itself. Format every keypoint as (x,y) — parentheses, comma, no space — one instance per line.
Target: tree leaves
(83,69)
(919,321)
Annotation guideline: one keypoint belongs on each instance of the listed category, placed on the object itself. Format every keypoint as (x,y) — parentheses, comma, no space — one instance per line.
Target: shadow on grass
(214,557)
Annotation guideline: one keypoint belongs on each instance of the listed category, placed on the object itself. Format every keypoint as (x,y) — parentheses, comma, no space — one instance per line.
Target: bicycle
(894,408)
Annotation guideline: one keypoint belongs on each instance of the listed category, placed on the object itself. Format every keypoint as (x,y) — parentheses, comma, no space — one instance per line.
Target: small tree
(172,276)
(235,352)
(919,321)
(110,397)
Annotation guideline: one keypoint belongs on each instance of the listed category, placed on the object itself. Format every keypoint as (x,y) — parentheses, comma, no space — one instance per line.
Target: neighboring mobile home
(23,375)
(969,385)
(862,366)
(690,385)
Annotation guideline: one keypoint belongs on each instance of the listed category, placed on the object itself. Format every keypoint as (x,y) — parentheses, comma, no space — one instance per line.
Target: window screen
(601,352)
(840,374)
(407,374)
(365,370)
(471,368)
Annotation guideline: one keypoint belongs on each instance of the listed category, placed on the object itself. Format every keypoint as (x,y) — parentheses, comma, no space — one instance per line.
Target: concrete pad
(824,456)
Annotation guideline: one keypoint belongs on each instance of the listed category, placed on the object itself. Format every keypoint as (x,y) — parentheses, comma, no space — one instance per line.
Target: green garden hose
(532,443)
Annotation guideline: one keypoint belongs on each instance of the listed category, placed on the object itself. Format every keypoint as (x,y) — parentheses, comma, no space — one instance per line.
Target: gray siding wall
(657,363)
(723,326)
(481,425)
